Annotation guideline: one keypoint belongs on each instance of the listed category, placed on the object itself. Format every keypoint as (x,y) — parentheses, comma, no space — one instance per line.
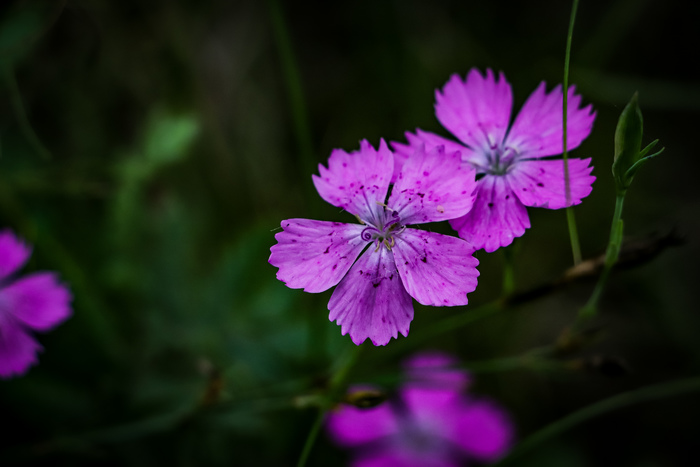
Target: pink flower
(36,302)
(373,294)
(429,423)
(511,162)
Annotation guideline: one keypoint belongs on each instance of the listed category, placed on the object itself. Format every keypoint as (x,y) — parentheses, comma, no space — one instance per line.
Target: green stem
(611,254)
(336,384)
(313,434)
(619,401)
(571,220)
(292,80)
(21,114)
(508,270)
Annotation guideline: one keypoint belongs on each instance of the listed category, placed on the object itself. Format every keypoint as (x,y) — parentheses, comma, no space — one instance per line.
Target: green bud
(629,155)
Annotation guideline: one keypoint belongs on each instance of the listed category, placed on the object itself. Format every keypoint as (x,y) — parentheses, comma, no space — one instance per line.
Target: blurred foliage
(149,151)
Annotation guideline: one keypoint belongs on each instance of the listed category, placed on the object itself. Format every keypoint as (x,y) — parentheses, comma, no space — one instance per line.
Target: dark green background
(165,141)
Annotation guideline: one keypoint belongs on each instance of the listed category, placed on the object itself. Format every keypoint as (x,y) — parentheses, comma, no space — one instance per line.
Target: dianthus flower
(511,170)
(35,302)
(429,422)
(373,294)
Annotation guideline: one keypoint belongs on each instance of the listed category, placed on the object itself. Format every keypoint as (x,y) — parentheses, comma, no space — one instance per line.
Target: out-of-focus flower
(430,422)
(512,164)
(35,302)
(373,294)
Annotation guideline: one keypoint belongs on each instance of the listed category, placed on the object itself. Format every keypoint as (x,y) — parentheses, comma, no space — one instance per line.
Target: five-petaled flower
(36,302)
(510,162)
(429,422)
(373,294)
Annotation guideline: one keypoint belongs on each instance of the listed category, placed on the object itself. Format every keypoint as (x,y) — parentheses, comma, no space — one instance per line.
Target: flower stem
(21,114)
(337,382)
(611,254)
(657,391)
(571,220)
(508,270)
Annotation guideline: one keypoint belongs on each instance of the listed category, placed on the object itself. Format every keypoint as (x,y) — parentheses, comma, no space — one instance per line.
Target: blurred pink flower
(379,264)
(35,302)
(430,422)
(513,163)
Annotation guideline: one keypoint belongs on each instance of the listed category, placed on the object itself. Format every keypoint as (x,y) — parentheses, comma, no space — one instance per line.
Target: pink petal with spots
(540,183)
(358,181)
(482,429)
(13,253)
(403,151)
(497,217)
(315,255)
(17,349)
(477,110)
(370,301)
(538,129)
(436,269)
(433,186)
(349,425)
(38,300)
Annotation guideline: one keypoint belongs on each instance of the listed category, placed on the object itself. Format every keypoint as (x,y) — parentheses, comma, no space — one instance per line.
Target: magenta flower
(511,162)
(36,302)
(373,294)
(429,423)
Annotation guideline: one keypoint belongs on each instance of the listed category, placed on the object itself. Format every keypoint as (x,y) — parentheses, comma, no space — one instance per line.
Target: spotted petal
(17,349)
(436,269)
(497,217)
(540,183)
(370,301)
(433,186)
(358,181)
(38,300)
(538,129)
(477,110)
(430,140)
(13,253)
(315,255)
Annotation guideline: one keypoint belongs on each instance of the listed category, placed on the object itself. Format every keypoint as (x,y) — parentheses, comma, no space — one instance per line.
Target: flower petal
(371,301)
(435,370)
(13,253)
(315,255)
(433,186)
(357,181)
(540,183)
(477,110)
(350,426)
(537,130)
(436,269)
(38,300)
(404,456)
(497,217)
(17,350)
(483,430)
(403,151)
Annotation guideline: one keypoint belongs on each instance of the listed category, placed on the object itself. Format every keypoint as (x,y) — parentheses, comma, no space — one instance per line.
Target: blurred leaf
(21,26)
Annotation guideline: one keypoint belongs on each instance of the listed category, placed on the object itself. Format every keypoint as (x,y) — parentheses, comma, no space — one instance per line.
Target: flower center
(384,234)
(500,159)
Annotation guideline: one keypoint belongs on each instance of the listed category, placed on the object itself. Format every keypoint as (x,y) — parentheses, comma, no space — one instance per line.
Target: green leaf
(628,142)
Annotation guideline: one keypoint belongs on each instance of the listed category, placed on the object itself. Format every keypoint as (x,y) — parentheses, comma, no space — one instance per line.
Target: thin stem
(337,382)
(657,391)
(571,220)
(21,114)
(611,255)
(292,80)
(508,270)
(311,438)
